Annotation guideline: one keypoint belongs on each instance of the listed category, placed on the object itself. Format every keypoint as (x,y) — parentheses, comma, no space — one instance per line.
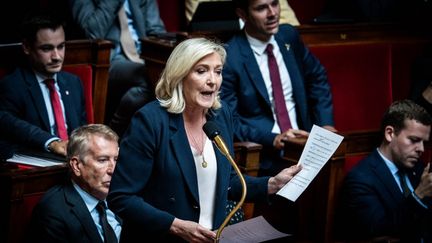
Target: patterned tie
(108,232)
(279,99)
(126,41)
(405,189)
(57,109)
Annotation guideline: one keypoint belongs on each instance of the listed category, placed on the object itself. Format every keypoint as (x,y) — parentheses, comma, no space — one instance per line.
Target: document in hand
(320,146)
(250,231)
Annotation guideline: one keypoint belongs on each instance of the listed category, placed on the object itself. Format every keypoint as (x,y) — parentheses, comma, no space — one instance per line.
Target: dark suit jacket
(99,18)
(23,114)
(373,204)
(62,216)
(244,90)
(155,178)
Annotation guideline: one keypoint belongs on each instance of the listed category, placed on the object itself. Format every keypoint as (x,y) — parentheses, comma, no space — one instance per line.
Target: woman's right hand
(191,231)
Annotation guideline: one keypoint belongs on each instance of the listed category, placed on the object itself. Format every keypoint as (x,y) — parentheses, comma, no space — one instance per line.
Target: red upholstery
(360,79)
(172,13)
(84,72)
(351,161)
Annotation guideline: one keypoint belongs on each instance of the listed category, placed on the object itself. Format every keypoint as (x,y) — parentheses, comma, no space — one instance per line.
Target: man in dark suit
(69,212)
(27,117)
(388,194)
(128,88)
(247,87)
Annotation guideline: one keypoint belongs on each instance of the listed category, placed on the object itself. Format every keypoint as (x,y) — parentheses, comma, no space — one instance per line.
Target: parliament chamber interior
(368,59)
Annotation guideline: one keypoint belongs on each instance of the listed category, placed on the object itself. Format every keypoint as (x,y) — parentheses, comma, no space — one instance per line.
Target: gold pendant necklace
(197,146)
(203,163)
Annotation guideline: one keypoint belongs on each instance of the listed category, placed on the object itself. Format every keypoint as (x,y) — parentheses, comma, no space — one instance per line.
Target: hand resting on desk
(58,147)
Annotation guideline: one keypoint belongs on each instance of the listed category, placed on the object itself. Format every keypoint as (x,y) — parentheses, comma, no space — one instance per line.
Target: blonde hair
(169,89)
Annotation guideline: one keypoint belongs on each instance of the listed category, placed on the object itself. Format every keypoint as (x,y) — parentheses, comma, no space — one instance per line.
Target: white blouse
(206,168)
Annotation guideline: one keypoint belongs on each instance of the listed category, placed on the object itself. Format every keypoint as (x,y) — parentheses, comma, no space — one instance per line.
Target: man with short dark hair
(40,104)
(388,194)
(276,88)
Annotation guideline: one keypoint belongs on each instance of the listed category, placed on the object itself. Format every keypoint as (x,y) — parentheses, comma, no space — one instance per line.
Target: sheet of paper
(320,146)
(31,160)
(250,231)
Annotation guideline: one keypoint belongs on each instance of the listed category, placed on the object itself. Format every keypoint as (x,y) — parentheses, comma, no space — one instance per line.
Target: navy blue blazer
(23,113)
(244,90)
(155,177)
(62,216)
(373,204)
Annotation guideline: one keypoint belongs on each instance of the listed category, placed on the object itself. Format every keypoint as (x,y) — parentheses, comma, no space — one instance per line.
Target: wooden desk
(20,188)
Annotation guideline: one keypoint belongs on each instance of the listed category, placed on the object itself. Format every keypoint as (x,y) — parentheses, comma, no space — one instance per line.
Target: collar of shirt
(259,46)
(41,78)
(392,167)
(88,199)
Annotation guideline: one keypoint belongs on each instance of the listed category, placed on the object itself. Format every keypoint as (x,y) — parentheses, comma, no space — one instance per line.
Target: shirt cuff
(50,141)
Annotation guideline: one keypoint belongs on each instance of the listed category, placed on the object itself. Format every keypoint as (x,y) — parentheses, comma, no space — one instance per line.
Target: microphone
(212,132)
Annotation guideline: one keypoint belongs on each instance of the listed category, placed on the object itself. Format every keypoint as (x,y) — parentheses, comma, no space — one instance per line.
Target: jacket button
(195,207)
(172,199)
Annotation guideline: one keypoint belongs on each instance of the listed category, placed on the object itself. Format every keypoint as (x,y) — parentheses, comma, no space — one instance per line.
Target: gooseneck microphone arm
(213,133)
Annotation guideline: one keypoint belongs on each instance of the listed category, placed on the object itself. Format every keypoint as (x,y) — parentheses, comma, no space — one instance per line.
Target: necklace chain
(198,146)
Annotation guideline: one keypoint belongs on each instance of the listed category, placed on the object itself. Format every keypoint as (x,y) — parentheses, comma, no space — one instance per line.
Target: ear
(74,165)
(389,133)
(241,14)
(26,47)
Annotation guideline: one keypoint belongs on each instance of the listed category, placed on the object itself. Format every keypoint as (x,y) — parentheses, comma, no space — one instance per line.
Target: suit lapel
(183,154)
(252,68)
(79,209)
(386,178)
(290,63)
(36,95)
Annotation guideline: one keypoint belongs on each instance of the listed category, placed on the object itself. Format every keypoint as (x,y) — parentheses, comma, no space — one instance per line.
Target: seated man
(123,23)
(388,194)
(40,104)
(77,210)
(276,88)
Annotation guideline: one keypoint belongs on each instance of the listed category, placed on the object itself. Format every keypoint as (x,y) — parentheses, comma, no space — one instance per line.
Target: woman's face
(201,85)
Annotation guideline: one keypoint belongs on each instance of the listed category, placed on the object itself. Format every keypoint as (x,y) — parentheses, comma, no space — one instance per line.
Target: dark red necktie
(57,109)
(279,99)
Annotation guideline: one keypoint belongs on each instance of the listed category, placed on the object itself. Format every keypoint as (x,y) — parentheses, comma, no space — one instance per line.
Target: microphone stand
(222,147)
